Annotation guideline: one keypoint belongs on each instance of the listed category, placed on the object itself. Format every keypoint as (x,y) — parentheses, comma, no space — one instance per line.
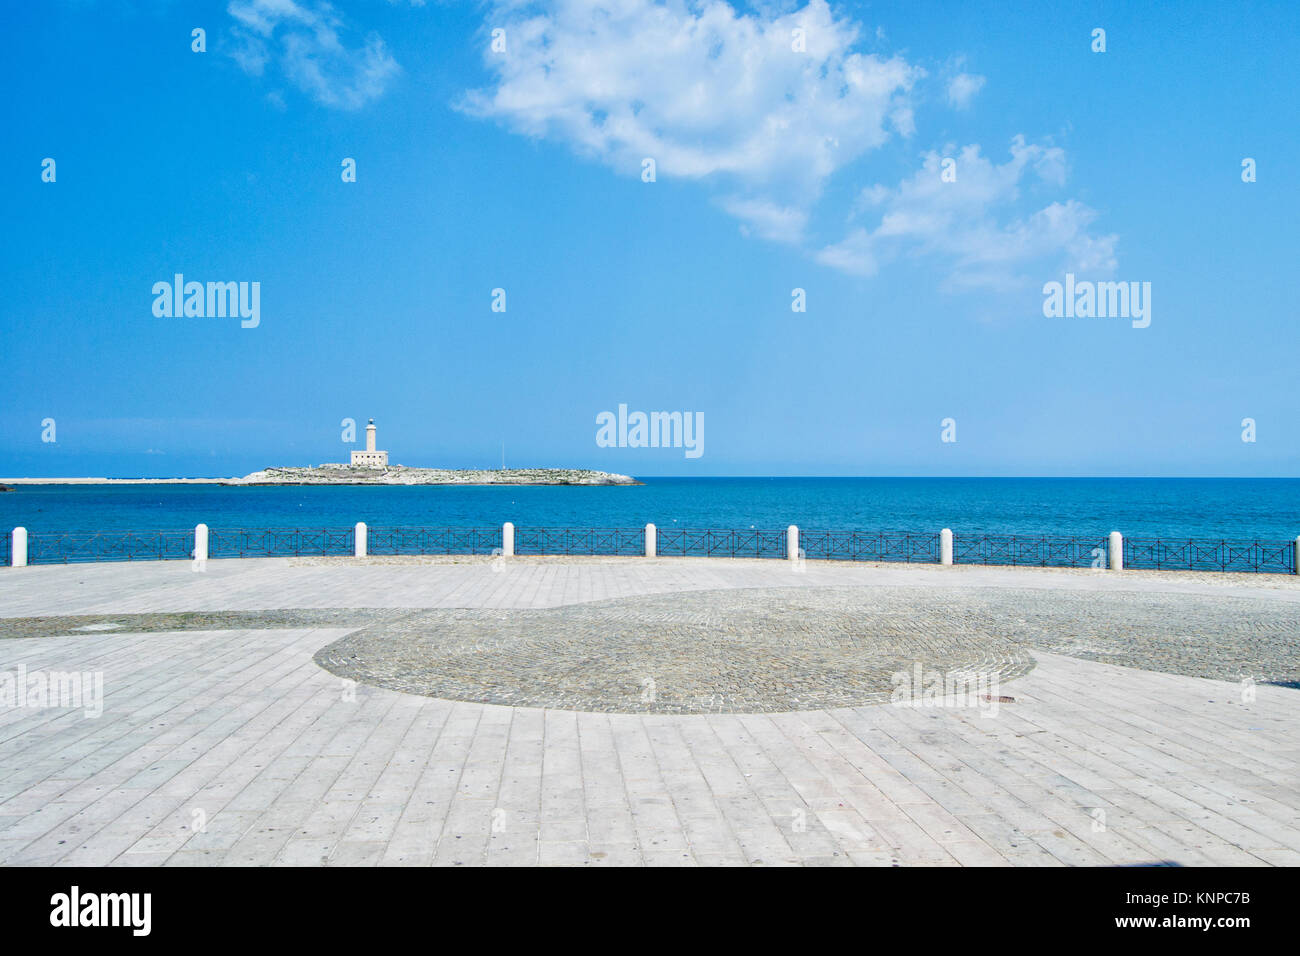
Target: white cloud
(311,53)
(962,89)
(703,90)
(970,224)
(767,220)
(720,96)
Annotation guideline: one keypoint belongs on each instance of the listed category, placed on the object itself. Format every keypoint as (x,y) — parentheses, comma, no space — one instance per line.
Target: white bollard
(1115,551)
(507,540)
(19,546)
(945,546)
(200,544)
(360,540)
(651,540)
(792,543)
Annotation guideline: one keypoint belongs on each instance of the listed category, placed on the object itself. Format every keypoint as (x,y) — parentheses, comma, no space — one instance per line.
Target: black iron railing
(433,540)
(279,542)
(1033,549)
(869,546)
(1190,554)
(731,544)
(78,546)
(611,541)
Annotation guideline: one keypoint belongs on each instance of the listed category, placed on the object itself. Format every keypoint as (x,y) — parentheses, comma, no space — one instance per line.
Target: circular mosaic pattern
(734,651)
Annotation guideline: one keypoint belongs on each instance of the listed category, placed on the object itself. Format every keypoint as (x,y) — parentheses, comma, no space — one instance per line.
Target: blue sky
(776,169)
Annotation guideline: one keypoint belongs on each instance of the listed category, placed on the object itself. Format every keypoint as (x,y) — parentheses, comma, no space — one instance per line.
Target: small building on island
(370,458)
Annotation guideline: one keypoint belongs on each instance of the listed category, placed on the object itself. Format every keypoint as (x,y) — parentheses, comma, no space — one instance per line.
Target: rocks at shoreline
(402,475)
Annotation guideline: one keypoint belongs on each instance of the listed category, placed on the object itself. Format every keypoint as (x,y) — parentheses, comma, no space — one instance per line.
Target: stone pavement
(233,746)
(271,583)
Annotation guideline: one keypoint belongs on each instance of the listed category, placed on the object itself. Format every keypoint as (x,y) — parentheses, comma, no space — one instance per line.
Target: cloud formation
(970,221)
(767,107)
(962,89)
(773,105)
(305,41)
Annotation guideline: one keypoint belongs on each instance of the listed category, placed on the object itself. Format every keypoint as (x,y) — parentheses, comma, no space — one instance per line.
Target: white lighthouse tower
(370,458)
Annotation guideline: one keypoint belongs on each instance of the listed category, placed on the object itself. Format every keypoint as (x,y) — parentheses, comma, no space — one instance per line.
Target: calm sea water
(1267,509)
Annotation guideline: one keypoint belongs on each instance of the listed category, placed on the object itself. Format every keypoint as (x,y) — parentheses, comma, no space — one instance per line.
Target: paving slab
(231,745)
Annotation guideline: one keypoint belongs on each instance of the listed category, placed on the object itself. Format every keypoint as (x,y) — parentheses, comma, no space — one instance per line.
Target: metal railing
(869,546)
(278,542)
(78,546)
(433,540)
(685,542)
(610,541)
(1276,557)
(1191,554)
(1033,549)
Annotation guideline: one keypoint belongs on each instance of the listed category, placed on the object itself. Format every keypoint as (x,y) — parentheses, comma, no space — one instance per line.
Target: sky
(920,171)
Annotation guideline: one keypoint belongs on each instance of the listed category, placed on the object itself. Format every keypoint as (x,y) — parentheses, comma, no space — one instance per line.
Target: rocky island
(370,467)
(401,475)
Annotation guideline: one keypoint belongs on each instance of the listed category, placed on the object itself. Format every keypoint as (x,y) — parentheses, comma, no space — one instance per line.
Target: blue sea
(1231,508)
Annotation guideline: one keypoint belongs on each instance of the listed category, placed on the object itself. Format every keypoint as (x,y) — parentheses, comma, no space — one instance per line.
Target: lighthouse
(370,458)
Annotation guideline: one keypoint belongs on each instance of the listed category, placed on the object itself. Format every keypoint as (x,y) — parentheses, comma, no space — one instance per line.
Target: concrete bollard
(200,543)
(945,546)
(1115,551)
(792,543)
(360,540)
(651,540)
(19,548)
(507,540)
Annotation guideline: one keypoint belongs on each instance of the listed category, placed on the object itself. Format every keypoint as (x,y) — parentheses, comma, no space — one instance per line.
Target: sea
(1266,509)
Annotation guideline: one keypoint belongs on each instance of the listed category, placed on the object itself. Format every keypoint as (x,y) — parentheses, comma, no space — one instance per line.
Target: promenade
(671,711)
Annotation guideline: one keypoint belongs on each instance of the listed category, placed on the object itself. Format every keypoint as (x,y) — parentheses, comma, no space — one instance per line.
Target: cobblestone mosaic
(733,651)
